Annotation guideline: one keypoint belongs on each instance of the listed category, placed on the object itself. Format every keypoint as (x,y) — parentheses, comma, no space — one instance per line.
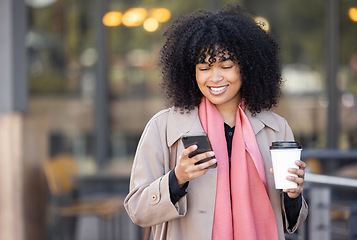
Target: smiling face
(220,81)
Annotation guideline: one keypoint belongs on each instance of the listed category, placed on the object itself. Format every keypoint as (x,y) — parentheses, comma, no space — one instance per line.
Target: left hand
(300,172)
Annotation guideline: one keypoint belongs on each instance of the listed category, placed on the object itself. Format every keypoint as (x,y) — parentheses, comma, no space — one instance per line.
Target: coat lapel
(179,123)
(262,119)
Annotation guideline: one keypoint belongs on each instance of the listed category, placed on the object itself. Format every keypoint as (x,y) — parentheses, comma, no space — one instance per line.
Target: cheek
(197,76)
(237,77)
(199,79)
(201,85)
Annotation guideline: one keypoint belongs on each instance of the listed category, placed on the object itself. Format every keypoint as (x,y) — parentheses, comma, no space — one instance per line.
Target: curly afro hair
(193,37)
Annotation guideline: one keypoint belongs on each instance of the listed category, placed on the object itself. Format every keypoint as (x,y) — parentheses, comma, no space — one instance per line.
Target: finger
(271,171)
(198,173)
(298,172)
(293,192)
(298,180)
(300,164)
(189,150)
(206,165)
(202,156)
(298,189)
(301,173)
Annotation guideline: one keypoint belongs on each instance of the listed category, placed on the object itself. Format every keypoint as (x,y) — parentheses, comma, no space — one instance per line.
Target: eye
(227,67)
(227,64)
(203,67)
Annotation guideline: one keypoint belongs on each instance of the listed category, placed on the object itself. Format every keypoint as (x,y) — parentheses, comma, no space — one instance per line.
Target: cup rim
(281,145)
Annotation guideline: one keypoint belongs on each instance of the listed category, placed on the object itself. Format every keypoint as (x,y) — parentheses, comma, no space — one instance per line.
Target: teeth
(217,89)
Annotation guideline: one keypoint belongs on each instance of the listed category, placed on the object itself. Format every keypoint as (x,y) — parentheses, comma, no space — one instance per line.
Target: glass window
(62,59)
(300,32)
(347,74)
(60,42)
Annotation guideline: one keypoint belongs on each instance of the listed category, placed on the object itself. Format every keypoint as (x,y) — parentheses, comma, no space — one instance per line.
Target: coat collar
(179,123)
(262,119)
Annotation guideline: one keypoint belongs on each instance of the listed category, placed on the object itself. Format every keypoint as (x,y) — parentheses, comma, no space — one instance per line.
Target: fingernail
(211,154)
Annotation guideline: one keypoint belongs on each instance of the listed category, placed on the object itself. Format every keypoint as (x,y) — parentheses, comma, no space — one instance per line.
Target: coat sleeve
(148,202)
(304,207)
(301,218)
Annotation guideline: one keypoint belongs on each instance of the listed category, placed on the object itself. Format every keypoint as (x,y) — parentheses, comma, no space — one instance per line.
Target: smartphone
(202,142)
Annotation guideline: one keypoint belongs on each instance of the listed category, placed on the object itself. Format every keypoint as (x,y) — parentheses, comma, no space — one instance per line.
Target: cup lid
(285,145)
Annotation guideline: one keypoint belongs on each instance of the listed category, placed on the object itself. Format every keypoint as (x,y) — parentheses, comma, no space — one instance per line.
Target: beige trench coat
(148,202)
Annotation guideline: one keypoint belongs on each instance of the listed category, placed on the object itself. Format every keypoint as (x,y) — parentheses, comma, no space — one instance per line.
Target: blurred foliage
(47,83)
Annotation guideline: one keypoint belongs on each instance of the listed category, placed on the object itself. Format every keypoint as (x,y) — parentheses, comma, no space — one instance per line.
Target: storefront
(84,76)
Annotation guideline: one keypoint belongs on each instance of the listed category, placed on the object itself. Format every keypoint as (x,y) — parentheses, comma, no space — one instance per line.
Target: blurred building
(81,78)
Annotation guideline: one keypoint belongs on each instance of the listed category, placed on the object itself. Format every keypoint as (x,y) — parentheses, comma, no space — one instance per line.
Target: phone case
(203,143)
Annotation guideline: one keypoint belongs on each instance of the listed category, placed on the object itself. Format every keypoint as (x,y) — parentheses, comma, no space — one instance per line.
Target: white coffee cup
(284,156)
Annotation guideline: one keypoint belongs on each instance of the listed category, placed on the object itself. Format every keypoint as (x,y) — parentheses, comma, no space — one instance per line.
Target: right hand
(186,170)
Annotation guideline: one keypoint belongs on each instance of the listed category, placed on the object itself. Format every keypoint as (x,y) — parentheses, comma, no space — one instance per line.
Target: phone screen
(203,143)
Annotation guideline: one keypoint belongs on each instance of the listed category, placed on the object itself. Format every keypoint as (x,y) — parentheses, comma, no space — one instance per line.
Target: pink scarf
(242,208)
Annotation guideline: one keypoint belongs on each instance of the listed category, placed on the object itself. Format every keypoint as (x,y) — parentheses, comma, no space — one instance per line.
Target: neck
(228,112)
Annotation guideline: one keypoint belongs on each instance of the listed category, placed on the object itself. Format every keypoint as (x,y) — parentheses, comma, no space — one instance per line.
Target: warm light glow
(151,24)
(112,19)
(263,23)
(160,14)
(134,17)
(353,14)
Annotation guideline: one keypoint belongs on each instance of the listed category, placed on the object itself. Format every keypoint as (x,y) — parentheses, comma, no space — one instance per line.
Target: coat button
(153,197)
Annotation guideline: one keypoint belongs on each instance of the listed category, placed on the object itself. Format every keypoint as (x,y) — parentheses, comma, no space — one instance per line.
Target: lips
(218,90)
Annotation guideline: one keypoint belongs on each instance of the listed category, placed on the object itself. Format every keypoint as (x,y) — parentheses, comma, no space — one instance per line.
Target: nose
(216,75)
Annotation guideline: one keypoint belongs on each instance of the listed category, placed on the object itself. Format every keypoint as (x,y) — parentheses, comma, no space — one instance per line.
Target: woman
(221,74)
